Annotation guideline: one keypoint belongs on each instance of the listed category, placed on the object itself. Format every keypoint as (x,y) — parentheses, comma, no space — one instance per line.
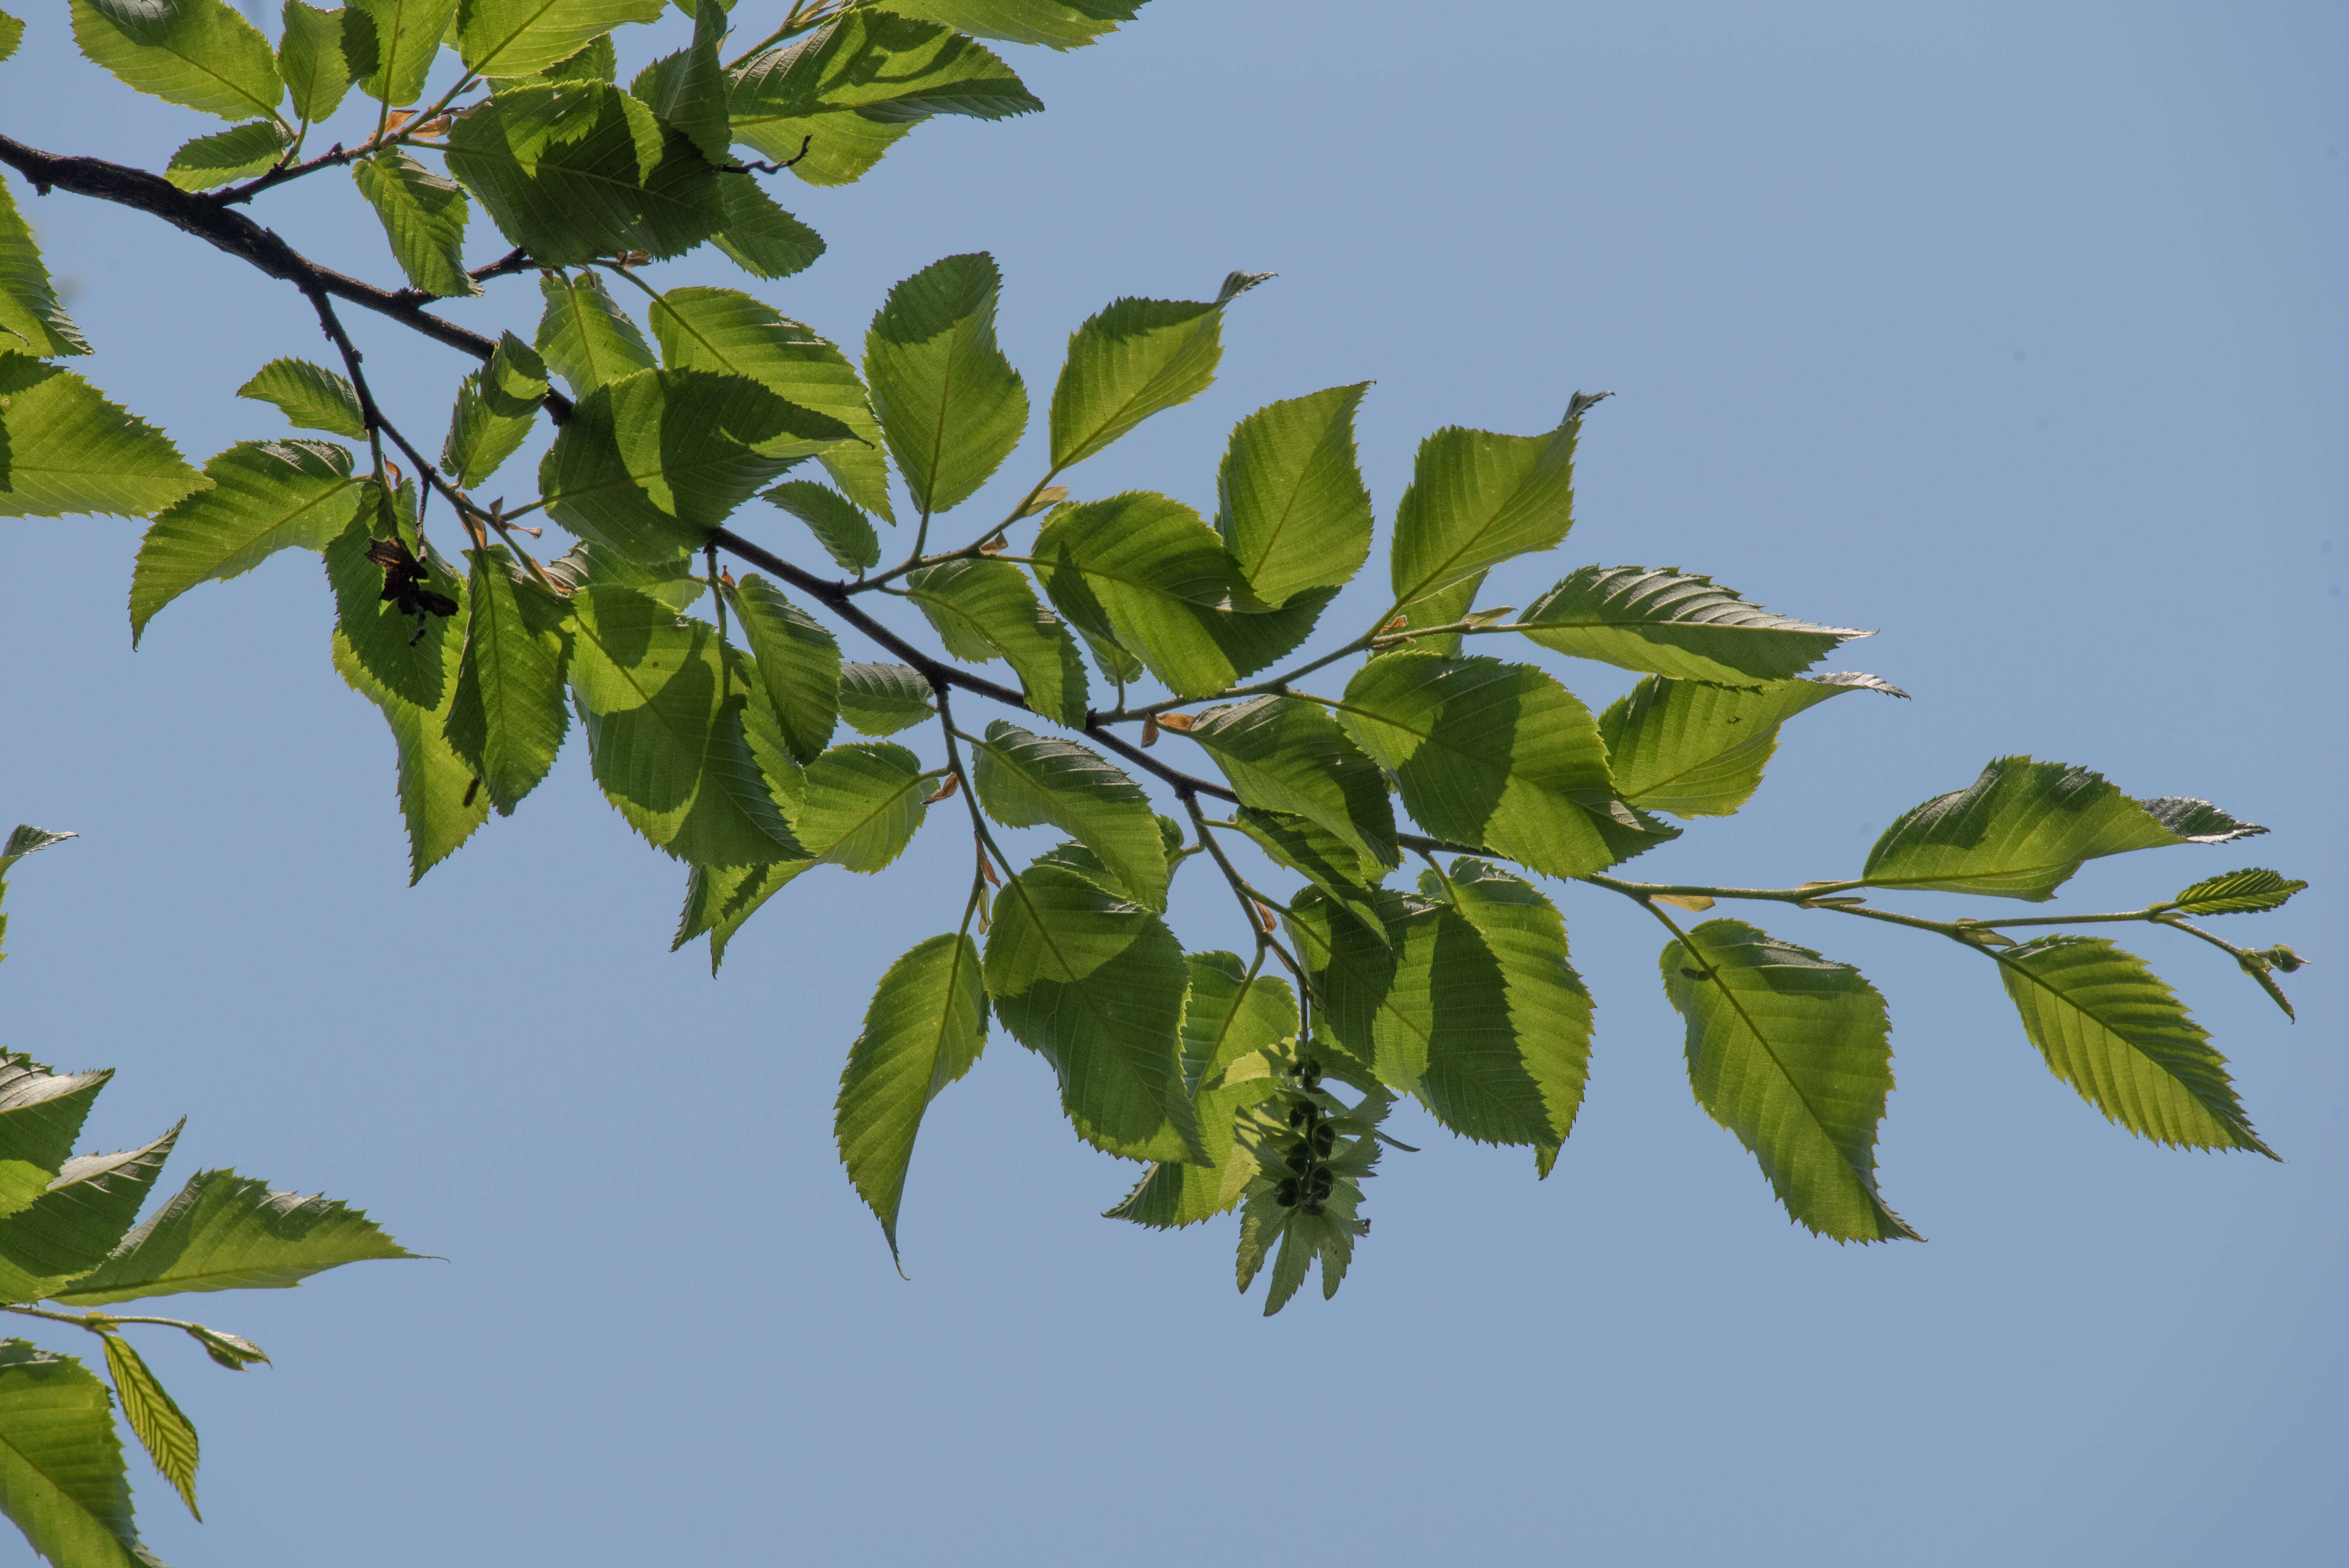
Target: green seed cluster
(1310,1182)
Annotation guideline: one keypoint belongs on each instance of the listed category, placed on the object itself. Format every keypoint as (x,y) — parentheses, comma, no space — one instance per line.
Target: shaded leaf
(687,90)
(312,395)
(575,170)
(264,497)
(1025,781)
(227,1232)
(925,1028)
(1676,624)
(2021,828)
(78,1220)
(423,217)
(1497,755)
(41,1114)
(584,337)
(845,534)
(950,403)
(2111,1029)
(650,464)
(1227,1016)
(882,699)
(1285,754)
(761,237)
(1055,24)
(665,739)
(1146,573)
(1789,1051)
(199,53)
(310,59)
(845,93)
(1290,503)
(985,610)
(727,330)
(391,45)
(507,716)
(798,663)
(66,449)
(1327,861)
(1095,986)
(1698,750)
(31,319)
(1135,358)
(864,802)
(408,651)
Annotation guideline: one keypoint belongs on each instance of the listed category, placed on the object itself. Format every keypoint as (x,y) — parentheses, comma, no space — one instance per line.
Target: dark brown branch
(805,142)
(241,237)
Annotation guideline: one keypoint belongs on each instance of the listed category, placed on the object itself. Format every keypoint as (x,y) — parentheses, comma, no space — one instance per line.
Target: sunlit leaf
(310,59)
(1135,358)
(987,610)
(2247,892)
(509,713)
(1285,754)
(1672,623)
(1477,498)
(1789,1051)
(199,53)
(31,320)
(1698,750)
(950,403)
(391,45)
(1026,780)
(155,1418)
(265,496)
(423,216)
(799,661)
(882,699)
(1291,505)
(78,1220)
(311,396)
(925,1028)
(229,155)
(521,37)
(62,1480)
(227,1232)
(66,449)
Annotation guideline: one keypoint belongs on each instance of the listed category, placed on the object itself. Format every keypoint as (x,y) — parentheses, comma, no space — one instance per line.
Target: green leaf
(481,440)
(12,32)
(882,699)
(29,312)
(672,582)
(2248,892)
(310,60)
(1135,358)
(1025,781)
(846,92)
(798,660)
(687,90)
(1477,498)
(61,1476)
(864,802)
(1523,1085)
(227,1232)
(1445,607)
(391,45)
(1327,861)
(845,534)
(41,1113)
(762,239)
(150,1412)
(1055,24)
(508,717)
(409,653)
(312,397)
(987,610)
(1095,986)
(651,464)
(199,53)
(1698,750)
(1676,624)
(2111,1029)
(1228,1016)
(665,732)
(950,405)
(66,450)
(440,795)
(230,155)
(1284,754)
(1147,573)
(575,170)
(1789,1051)
(925,1028)
(522,37)
(2022,828)
(598,62)
(73,1225)
(727,330)
(1497,756)
(423,216)
(1290,503)
(584,337)
(265,496)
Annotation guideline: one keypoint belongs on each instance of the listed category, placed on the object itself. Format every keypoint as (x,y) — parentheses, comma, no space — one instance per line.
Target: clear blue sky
(2016,330)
